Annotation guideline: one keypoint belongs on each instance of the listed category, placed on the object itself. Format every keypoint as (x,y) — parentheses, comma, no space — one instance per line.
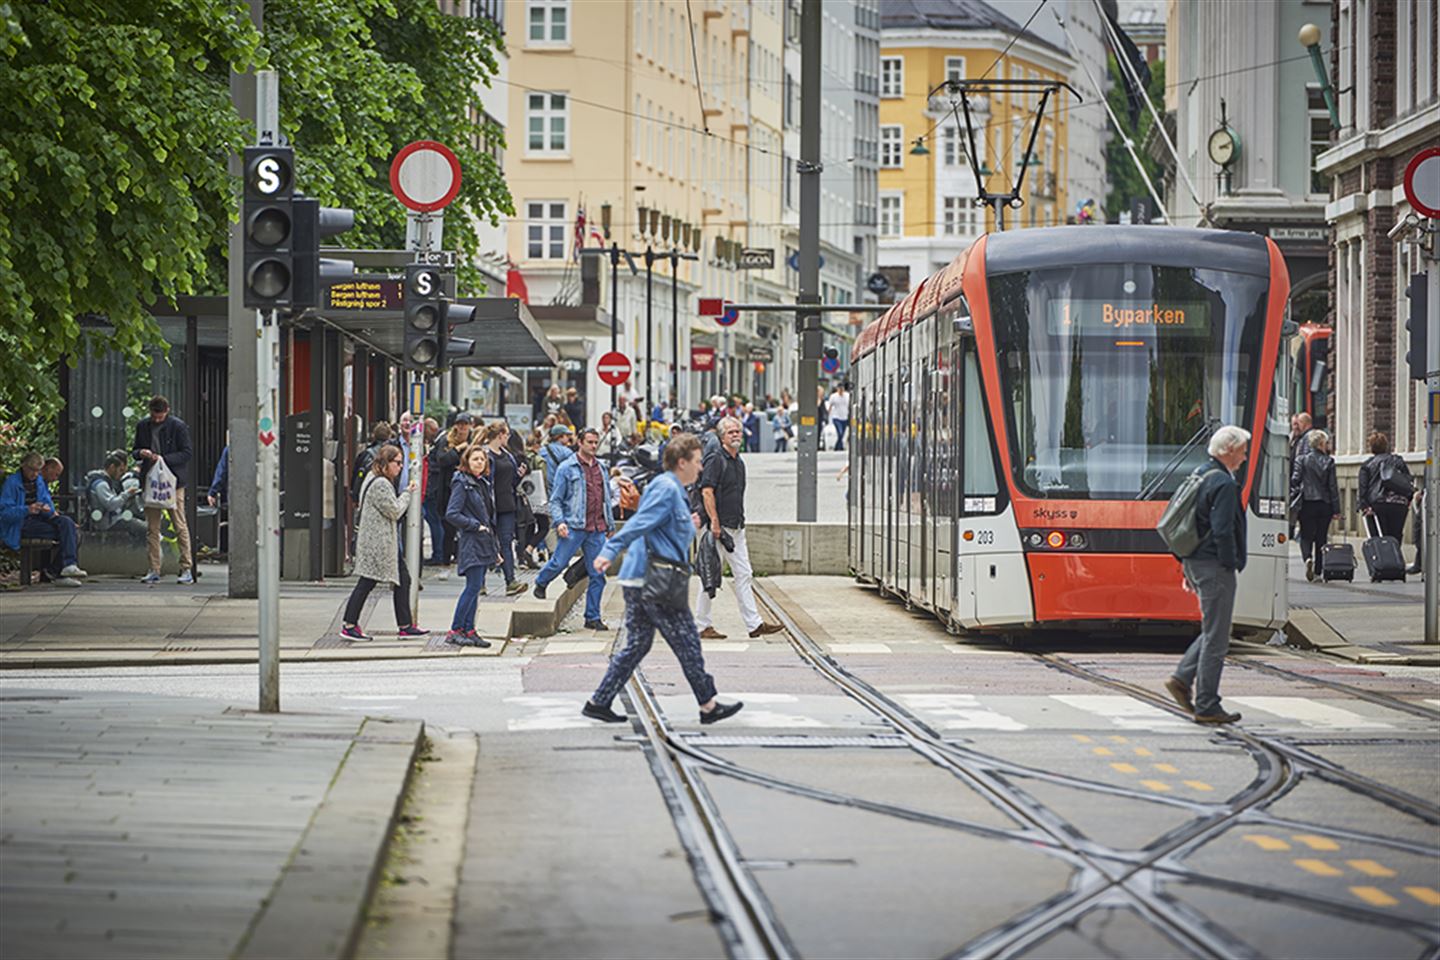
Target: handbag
(160,486)
(667,583)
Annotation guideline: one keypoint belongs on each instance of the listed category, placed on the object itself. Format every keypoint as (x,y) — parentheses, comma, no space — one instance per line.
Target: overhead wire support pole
(808,322)
(649,331)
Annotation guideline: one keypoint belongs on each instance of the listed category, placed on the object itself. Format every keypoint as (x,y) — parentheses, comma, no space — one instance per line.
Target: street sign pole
(809,168)
(614,318)
(267,432)
(649,333)
(675,329)
(1431,523)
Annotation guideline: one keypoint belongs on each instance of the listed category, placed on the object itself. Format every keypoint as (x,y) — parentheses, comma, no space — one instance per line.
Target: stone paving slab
(135,825)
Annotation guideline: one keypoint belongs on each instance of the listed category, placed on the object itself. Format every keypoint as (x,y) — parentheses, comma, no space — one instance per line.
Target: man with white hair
(722,491)
(1210,573)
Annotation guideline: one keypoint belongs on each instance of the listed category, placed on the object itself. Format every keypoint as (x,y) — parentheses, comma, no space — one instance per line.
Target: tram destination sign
(1128,317)
(364,295)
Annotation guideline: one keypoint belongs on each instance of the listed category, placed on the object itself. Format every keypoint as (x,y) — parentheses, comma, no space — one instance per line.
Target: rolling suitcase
(1382,554)
(1337,562)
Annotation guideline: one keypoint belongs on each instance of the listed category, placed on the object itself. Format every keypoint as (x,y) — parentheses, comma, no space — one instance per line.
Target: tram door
(924,515)
(907,466)
(887,500)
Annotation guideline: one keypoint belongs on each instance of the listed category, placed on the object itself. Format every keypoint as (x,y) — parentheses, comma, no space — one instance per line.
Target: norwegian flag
(579,233)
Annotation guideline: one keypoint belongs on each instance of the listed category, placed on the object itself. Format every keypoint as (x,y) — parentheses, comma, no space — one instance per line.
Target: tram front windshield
(1108,370)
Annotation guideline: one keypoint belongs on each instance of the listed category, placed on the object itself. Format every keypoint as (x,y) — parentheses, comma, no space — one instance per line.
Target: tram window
(981,484)
(1272,486)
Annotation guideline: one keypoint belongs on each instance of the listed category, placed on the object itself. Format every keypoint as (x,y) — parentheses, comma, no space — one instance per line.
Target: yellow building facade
(928,188)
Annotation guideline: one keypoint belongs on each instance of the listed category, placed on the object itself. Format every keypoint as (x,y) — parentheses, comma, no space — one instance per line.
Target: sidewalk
(156,826)
(1363,622)
(115,621)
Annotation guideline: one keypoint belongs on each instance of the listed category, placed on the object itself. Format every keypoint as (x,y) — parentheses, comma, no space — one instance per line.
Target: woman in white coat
(377,545)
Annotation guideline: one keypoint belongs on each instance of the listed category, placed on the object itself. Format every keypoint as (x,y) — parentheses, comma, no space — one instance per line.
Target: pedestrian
(505,475)
(1417,527)
(536,490)
(50,472)
(839,409)
(1300,425)
(751,423)
(1210,573)
(658,537)
(1313,486)
(162,436)
(443,461)
(611,443)
(106,494)
(1386,487)
(380,434)
(27,511)
(471,511)
(574,407)
(722,493)
(580,510)
(626,421)
(554,401)
(219,492)
(781,429)
(560,448)
(377,546)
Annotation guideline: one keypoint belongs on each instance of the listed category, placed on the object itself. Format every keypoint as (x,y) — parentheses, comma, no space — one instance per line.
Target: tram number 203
(1267,539)
(984,536)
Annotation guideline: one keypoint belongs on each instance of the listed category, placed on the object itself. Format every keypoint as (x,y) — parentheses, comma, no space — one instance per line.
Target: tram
(1022,417)
(1309,359)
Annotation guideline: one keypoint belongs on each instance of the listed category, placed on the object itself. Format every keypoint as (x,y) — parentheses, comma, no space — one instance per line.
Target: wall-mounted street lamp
(1310,40)
(919,150)
(605,219)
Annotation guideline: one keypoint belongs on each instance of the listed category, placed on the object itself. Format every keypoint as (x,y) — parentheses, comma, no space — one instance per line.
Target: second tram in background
(1022,417)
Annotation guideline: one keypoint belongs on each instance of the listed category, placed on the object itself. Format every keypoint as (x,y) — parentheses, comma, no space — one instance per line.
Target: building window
(1319,117)
(954,68)
(549,21)
(951,151)
(892,76)
(547,123)
(892,143)
(545,231)
(892,214)
(957,216)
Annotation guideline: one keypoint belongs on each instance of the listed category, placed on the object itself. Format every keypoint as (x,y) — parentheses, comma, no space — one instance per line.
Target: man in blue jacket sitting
(26,510)
(580,510)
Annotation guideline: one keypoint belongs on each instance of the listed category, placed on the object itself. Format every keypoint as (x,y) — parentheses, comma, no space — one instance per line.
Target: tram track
(1350,690)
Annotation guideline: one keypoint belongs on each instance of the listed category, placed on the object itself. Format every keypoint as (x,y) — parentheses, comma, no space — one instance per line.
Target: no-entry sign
(425,175)
(1422,182)
(614,369)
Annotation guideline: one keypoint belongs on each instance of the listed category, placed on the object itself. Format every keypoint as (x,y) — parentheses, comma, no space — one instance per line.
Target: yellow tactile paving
(1198,785)
(1124,768)
(1114,739)
(1159,786)
(1265,842)
(1080,737)
(1315,843)
(1370,868)
(1427,896)
(1319,867)
(1143,752)
(1374,896)
(1103,752)
(1166,767)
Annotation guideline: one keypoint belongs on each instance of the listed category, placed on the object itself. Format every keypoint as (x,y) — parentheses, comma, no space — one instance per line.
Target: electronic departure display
(1127,317)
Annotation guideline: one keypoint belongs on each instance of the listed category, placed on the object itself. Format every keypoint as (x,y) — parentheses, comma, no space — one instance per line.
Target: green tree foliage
(1126,185)
(115,126)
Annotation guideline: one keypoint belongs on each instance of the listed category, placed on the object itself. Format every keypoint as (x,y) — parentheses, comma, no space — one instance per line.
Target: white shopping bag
(160,486)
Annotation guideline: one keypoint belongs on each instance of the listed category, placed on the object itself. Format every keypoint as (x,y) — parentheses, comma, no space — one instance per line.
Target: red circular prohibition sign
(1428,203)
(613,368)
(441,196)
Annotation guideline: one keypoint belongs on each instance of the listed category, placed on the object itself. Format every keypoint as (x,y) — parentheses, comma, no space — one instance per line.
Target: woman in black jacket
(471,511)
(505,474)
(1314,487)
(1385,487)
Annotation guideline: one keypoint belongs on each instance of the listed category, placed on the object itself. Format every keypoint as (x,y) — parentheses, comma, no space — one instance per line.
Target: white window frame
(547,23)
(952,148)
(1313,114)
(547,114)
(954,68)
(958,216)
(889,89)
(897,207)
(895,141)
(546,233)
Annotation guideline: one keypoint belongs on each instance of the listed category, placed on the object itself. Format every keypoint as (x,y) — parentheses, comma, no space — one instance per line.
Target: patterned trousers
(677,627)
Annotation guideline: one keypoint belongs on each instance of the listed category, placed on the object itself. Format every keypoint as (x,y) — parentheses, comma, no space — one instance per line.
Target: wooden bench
(30,548)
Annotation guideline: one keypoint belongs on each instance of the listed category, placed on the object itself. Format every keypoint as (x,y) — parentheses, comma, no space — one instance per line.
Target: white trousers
(744,593)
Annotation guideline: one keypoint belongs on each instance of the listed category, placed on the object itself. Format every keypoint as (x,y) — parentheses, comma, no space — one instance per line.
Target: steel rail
(1360,693)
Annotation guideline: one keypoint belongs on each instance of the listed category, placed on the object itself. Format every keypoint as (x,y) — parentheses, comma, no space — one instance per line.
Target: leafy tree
(115,126)
(1126,183)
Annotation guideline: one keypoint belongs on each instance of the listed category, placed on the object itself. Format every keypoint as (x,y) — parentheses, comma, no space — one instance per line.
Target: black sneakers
(602,713)
(539,590)
(721,711)
(597,625)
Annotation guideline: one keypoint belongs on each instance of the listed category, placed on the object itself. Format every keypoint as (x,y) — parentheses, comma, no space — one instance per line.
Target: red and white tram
(1022,417)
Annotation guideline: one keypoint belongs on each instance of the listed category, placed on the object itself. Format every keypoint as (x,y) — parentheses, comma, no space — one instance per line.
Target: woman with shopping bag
(162,445)
(377,547)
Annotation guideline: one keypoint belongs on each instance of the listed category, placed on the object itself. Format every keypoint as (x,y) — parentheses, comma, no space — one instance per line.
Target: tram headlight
(1035,540)
(1077,540)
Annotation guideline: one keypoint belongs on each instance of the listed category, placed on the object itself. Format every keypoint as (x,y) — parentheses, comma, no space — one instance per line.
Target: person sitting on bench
(27,512)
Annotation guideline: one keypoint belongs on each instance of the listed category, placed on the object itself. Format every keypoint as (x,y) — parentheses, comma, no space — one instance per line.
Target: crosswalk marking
(585,646)
(1317,714)
(1124,712)
(960,711)
(721,646)
(860,648)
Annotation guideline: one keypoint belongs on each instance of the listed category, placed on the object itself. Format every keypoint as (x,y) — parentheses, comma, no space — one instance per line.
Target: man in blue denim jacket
(580,509)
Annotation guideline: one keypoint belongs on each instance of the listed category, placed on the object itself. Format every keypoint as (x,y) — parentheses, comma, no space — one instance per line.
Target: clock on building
(1224,146)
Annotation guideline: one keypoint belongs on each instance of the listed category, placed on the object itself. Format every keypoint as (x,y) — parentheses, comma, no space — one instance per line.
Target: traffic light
(458,348)
(1418,324)
(425,310)
(313,223)
(268,221)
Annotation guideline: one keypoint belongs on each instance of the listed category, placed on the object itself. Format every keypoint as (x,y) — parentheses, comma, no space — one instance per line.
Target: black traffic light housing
(314,223)
(1418,325)
(458,348)
(425,327)
(267,219)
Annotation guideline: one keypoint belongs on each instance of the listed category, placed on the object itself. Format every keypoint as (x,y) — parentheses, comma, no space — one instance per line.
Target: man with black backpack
(380,435)
(1211,569)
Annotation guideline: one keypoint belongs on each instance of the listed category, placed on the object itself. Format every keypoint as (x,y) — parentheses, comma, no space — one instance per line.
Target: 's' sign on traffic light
(268,220)
(424,313)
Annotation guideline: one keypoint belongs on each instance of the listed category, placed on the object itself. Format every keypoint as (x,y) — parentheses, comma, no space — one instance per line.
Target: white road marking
(379,696)
(720,646)
(549,713)
(860,648)
(1124,712)
(1312,713)
(975,651)
(773,718)
(1433,703)
(960,711)
(584,646)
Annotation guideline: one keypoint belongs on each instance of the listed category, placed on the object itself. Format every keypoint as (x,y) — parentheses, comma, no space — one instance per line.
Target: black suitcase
(1337,562)
(1382,554)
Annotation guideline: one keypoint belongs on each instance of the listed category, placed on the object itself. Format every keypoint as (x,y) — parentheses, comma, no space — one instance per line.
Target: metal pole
(240,385)
(675,324)
(1431,528)
(412,513)
(649,332)
(807,444)
(267,474)
(614,313)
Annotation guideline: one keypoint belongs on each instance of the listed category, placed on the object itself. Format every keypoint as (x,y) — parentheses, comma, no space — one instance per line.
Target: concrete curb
(1308,630)
(318,905)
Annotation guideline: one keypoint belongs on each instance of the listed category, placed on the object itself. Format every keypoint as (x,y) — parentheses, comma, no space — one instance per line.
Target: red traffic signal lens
(423,353)
(269,279)
(424,318)
(269,227)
